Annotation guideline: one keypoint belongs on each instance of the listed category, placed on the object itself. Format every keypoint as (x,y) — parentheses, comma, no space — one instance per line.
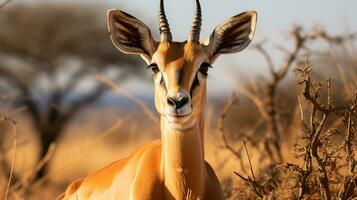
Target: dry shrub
(325,165)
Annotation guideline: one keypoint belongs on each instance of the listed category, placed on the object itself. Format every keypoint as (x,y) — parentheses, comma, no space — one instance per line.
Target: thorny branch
(264,95)
(314,130)
(316,147)
(266,104)
(328,150)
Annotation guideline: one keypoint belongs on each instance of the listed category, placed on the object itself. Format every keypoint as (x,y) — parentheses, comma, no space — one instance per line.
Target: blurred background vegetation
(60,120)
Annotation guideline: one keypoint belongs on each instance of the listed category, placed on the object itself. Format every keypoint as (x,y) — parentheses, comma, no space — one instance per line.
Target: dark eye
(154,68)
(204,68)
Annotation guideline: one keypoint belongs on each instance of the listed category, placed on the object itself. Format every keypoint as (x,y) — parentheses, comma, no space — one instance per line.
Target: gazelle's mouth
(178,118)
(179,115)
(180,122)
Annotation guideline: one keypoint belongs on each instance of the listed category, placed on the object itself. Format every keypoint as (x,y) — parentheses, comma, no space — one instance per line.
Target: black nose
(177,103)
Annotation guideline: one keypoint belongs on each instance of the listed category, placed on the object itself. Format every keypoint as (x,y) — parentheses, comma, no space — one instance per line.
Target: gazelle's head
(180,68)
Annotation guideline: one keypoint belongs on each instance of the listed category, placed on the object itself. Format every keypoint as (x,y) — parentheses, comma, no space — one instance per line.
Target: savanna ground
(289,134)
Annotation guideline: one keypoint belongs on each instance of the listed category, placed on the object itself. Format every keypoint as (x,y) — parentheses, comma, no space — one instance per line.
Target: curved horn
(196,25)
(165,33)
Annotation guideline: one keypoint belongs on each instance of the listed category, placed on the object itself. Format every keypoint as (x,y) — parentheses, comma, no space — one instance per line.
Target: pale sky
(275,18)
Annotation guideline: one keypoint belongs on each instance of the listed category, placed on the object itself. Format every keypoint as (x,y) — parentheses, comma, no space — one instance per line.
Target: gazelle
(174,167)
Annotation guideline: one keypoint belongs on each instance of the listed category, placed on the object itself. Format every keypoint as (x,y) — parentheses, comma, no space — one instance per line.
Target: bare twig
(232,101)
(121,91)
(14,131)
(251,181)
(267,57)
(350,181)
(226,145)
(339,41)
(4,3)
(250,162)
(340,69)
(116,126)
(256,187)
(24,184)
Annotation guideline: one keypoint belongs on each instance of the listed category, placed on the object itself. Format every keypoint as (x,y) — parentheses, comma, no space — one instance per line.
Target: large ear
(232,35)
(130,35)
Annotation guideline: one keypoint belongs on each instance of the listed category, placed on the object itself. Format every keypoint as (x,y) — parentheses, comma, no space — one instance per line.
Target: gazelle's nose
(177,102)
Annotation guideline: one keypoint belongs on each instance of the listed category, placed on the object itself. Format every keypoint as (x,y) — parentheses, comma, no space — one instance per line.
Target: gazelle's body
(144,175)
(173,168)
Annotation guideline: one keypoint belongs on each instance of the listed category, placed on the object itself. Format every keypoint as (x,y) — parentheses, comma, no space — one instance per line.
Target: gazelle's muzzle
(178,104)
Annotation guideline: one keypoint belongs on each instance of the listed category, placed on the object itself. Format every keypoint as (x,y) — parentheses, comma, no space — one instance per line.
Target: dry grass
(103,146)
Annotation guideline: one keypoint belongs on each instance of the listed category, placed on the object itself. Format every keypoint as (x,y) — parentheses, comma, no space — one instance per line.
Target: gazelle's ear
(232,35)
(130,35)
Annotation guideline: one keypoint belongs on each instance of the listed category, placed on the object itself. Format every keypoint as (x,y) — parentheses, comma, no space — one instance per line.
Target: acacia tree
(48,57)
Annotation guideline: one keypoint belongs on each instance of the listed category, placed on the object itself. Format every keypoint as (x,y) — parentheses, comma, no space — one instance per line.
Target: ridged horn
(196,24)
(165,33)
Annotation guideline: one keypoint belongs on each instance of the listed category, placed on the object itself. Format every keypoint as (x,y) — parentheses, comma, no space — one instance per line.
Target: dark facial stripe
(162,82)
(195,84)
(179,77)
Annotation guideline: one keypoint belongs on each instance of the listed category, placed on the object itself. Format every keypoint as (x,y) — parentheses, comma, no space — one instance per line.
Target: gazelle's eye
(154,68)
(204,68)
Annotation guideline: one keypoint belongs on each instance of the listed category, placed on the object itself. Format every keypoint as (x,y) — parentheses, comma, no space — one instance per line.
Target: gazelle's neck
(183,162)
